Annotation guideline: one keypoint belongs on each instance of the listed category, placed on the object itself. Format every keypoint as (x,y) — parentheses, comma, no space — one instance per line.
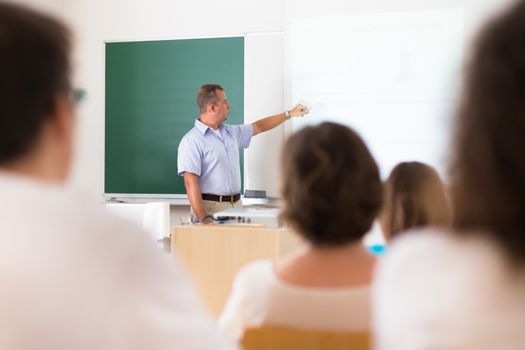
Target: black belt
(216,198)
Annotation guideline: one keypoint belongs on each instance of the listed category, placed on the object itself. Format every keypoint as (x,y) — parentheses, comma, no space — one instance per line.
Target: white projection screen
(394,77)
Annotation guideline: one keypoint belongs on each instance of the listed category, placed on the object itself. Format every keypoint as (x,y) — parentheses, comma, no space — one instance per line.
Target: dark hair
(331,186)
(488,171)
(207,94)
(414,196)
(34,67)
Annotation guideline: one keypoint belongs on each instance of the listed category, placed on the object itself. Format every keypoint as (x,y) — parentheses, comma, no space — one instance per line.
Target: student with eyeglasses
(72,277)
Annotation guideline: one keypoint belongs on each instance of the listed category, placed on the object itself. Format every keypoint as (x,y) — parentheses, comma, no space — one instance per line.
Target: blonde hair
(414,196)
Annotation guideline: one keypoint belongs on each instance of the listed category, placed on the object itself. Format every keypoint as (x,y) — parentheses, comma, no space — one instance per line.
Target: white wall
(264,76)
(476,11)
(96,21)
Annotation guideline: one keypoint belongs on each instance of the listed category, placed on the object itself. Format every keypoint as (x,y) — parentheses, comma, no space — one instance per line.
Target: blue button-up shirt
(214,158)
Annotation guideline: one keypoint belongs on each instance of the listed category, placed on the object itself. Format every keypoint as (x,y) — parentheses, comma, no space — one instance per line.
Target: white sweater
(434,290)
(72,277)
(260,297)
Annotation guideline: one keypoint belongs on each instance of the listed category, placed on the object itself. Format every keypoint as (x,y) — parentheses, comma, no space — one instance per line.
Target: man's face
(222,107)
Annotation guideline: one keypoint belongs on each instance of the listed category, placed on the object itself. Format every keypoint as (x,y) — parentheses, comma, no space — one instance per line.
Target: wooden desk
(213,254)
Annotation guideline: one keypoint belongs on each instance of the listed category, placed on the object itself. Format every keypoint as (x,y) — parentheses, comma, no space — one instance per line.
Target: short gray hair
(207,94)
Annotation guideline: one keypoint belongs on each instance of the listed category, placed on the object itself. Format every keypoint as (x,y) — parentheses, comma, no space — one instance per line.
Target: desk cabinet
(213,254)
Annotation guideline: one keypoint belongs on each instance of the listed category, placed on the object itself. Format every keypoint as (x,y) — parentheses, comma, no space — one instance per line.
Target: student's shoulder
(90,220)
(434,245)
(420,242)
(256,271)
(430,257)
(415,254)
(67,221)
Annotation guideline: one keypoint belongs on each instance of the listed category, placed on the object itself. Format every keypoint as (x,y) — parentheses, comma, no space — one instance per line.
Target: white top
(260,297)
(438,291)
(217,132)
(72,277)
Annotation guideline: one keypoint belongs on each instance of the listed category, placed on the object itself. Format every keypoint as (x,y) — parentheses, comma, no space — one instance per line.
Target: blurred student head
(331,186)
(488,171)
(36,124)
(414,196)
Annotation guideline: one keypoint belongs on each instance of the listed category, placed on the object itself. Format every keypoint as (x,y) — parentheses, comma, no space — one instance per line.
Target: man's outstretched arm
(273,121)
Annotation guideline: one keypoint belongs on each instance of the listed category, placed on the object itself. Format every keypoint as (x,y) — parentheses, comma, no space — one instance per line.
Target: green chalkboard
(151,88)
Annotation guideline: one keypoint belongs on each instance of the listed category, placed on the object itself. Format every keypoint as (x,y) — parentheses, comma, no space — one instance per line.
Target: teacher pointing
(208,156)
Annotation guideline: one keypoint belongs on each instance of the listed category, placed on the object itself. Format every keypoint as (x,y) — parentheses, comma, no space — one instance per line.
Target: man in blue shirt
(208,156)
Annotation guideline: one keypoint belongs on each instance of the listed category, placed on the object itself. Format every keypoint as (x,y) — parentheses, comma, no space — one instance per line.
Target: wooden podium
(213,254)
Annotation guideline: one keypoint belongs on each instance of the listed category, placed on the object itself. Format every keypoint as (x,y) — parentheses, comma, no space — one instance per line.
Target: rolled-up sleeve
(243,134)
(188,157)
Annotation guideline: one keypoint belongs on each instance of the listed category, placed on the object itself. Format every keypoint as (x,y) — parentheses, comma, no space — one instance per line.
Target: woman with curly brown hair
(332,193)
(465,288)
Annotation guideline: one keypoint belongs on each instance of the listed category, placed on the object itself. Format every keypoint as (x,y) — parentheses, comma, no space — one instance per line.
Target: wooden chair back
(282,338)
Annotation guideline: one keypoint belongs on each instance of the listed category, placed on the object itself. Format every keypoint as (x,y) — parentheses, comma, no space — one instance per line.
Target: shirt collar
(201,127)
